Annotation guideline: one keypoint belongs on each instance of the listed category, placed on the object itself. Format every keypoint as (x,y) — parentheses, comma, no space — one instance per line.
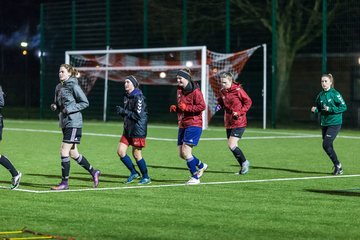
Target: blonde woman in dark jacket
(70,100)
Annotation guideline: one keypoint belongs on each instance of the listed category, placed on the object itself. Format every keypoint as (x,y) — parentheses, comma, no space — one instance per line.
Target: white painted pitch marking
(183,184)
(295,136)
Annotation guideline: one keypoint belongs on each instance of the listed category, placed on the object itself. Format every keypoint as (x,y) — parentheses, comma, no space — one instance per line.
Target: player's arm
(246,100)
(198,104)
(54,106)
(2,100)
(339,104)
(135,113)
(317,107)
(81,101)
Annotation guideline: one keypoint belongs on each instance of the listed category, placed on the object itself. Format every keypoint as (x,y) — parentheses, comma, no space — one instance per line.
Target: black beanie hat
(133,80)
(184,74)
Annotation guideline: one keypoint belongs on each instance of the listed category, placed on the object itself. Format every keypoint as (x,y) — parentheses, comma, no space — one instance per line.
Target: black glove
(235,116)
(120,110)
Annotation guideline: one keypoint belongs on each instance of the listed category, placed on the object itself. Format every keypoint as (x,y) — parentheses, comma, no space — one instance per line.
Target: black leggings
(329,134)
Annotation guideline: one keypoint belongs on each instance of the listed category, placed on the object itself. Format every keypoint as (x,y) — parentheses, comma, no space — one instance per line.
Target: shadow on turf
(287,170)
(186,169)
(350,193)
(122,178)
(58,177)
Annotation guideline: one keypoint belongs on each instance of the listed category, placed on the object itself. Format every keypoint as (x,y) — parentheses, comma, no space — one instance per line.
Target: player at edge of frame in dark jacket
(69,101)
(330,105)
(235,102)
(134,134)
(189,108)
(16,175)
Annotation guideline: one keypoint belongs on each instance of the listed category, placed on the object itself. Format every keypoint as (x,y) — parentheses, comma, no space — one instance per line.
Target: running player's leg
(126,160)
(140,161)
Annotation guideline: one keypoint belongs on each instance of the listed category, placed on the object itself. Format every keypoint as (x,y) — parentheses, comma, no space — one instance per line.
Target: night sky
(19,21)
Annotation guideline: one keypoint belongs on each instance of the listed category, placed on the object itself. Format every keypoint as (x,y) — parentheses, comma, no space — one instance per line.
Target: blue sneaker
(132,177)
(145,181)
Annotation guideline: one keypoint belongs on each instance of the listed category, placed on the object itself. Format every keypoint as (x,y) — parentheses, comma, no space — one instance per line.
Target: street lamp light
(24,44)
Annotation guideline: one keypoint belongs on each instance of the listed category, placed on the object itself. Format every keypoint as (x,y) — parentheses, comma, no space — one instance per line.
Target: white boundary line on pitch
(295,136)
(184,184)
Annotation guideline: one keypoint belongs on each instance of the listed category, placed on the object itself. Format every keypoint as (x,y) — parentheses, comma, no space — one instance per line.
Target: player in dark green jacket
(330,105)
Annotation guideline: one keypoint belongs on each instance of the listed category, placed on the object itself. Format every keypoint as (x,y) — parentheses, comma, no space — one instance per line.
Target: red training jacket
(195,104)
(234,99)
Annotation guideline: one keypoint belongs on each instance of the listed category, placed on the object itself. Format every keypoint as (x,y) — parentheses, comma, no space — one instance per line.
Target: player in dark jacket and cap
(135,117)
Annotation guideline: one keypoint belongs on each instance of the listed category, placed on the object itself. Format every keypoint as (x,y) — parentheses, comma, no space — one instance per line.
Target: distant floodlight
(24,52)
(162,75)
(359,60)
(24,44)
(189,63)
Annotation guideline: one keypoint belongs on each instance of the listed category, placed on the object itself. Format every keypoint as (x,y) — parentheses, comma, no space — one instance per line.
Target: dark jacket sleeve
(135,113)
(340,105)
(317,104)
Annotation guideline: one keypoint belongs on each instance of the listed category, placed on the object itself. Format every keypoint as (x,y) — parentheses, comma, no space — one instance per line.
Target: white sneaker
(15,181)
(245,167)
(193,181)
(201,171)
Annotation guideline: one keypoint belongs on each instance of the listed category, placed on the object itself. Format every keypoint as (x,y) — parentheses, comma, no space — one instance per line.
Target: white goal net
(155,69)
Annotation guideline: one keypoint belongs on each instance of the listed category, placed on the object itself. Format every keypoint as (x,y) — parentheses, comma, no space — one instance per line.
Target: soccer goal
(155,67)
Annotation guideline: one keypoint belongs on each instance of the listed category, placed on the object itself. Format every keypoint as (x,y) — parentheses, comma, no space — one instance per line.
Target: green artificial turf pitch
(289,192)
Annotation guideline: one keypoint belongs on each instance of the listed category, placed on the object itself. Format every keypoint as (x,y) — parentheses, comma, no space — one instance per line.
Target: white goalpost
(158,66)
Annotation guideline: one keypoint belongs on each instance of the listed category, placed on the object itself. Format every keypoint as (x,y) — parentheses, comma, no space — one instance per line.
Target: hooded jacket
(195,104)
(234,99)
(70,100)
(135,115)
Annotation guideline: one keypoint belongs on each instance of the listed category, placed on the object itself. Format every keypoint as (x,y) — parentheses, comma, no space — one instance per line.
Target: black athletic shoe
(337,170)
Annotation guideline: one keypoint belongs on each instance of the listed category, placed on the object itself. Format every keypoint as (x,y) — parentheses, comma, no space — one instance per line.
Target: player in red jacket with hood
(235,102)
(189,110)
